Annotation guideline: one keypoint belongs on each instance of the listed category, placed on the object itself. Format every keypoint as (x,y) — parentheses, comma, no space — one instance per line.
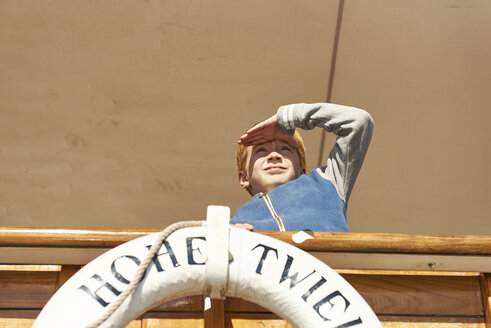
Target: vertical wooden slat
(233,304)
(406,294)
(26,289)
(172,320)
(17,318)
(486,297)
(65,273)
(137,323)
(215,315)
(430,322)
(250,320)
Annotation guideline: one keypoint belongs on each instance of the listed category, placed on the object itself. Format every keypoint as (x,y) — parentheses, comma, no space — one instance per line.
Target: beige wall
(125,114)
(423,69)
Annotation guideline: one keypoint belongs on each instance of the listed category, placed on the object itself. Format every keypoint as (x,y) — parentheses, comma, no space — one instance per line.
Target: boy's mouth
(275,168)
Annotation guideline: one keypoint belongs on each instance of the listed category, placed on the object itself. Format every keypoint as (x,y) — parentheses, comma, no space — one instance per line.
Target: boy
(271,164)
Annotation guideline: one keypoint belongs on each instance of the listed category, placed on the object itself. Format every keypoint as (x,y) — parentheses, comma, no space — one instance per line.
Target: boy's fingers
(254,142)
(261,132)
(255,139)
(255,128)
(245,226)
(258,126)
(253,133)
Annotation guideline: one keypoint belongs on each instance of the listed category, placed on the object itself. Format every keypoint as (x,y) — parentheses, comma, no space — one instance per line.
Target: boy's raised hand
(245,226)
(265,131)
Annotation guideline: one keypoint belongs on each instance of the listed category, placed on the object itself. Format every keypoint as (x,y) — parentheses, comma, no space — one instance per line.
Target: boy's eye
(286,148)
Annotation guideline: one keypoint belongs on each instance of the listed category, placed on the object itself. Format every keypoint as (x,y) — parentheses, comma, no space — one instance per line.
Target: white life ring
(278,276)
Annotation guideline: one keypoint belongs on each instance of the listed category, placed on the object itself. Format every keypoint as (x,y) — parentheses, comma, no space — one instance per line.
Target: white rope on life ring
(278,276)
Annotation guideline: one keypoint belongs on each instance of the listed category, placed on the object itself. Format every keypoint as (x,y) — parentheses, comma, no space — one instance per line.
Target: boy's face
(270,165)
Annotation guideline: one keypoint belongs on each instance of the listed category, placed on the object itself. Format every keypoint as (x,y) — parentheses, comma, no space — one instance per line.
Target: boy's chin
(272,181)
(274,184)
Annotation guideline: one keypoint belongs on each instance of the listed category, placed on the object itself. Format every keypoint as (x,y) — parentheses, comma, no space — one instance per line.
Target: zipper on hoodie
(272,210)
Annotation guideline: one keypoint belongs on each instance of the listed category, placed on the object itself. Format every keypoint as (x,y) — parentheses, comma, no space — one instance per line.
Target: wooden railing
(408,280)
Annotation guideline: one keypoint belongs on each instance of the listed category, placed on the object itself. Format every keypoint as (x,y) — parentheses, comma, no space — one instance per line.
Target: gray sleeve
(353,128)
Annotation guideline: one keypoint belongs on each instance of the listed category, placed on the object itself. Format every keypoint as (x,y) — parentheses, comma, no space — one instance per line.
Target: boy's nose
(274,156)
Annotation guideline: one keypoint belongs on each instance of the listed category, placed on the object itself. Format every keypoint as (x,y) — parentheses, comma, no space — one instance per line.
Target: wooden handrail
(392,243)
(68,237)
(322,241)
